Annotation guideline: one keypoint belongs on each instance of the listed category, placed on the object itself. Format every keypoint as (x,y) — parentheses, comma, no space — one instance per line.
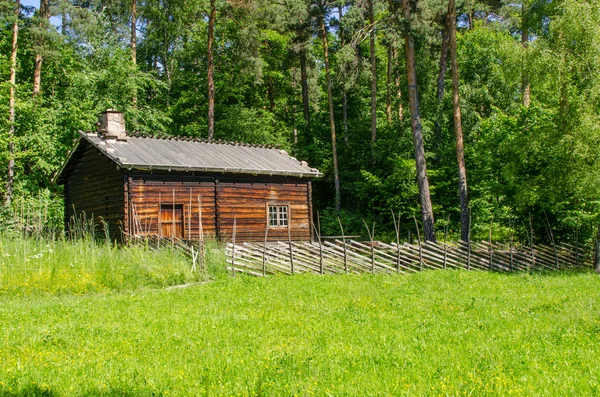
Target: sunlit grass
(59,266)
(435,333)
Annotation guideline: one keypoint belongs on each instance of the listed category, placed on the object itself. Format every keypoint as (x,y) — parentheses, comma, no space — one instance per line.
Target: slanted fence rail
(351,256)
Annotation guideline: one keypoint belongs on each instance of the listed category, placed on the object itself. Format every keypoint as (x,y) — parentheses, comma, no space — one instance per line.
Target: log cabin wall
(247,200)
(224,198)
(94,190)
(158,198)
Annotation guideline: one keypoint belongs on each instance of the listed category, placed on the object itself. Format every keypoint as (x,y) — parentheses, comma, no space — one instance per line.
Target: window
(278,215)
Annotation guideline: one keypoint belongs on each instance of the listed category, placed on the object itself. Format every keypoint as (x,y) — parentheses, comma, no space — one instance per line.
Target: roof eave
(154,167)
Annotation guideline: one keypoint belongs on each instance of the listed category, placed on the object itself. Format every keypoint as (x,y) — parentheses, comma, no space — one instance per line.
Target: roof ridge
(165,136)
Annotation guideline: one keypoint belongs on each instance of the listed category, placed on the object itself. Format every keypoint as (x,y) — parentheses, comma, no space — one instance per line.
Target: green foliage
(539,161)
(434,333)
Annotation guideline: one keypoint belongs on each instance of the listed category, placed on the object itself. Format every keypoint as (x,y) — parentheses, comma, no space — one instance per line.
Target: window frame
(281,214)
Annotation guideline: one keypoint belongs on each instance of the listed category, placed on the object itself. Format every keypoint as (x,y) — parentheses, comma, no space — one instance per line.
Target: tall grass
(38,257)
(30,265)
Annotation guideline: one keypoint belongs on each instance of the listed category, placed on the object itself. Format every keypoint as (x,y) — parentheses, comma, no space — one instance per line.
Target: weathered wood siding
(149,190)
(94,190)
(247,202)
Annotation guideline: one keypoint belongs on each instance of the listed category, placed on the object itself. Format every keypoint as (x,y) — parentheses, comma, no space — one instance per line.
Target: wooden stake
(189,229)
(490,250)
(531,242)
(344,240)
(201,232)
(445,239)
(321,269)
(290,244)
(597,252)
(159,214)
(511,246)
(397,229)
(233,246)
(577,246)
(173,218)
(551,235)
(264,258)
(372,251)
(420,248)
(469,243)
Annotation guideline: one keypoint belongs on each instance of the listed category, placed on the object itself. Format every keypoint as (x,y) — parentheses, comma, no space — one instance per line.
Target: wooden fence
(350,256)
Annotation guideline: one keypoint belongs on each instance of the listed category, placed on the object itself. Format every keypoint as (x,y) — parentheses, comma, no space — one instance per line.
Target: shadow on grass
(36,391)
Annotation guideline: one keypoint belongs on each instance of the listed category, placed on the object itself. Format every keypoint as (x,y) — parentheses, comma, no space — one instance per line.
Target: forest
(468,117)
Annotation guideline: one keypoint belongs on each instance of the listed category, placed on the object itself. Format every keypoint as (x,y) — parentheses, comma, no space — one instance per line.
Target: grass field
(434,333)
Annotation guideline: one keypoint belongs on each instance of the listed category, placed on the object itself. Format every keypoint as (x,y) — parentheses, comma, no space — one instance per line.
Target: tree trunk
(417,130)
(294,129)
(134,46)
(458,133)
(388,85)
(37,71)
(304,83)
(398,90)
(525,86)
(344,96)
(11,109)
(133,32)
(440,87)
(373,73)
(336,177)
(211,81)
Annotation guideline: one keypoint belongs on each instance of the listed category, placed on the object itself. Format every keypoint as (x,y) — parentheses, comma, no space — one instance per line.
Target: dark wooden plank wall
(247,203)
(149,190)
(94,187)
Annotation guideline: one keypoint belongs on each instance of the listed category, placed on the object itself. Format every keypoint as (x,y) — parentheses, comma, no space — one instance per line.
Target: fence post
(577,246)
(233,247)
(344,241)
(511,246)
(264,256)
(551,235)
(372,250)
(469,243)
(290,244)
(397,229)
(419,240)
(321,269)
(490,250)
(531,242)
(597,252)
(447,221)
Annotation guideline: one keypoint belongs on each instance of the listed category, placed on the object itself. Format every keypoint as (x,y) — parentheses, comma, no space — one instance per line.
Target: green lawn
(435,333)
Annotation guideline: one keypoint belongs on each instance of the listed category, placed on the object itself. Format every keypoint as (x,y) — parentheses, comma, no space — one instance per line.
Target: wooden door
(171,220)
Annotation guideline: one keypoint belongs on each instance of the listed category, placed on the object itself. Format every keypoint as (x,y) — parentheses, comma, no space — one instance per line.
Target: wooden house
(180,187)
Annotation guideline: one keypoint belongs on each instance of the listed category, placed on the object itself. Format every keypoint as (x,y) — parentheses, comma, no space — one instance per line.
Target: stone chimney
(111,125)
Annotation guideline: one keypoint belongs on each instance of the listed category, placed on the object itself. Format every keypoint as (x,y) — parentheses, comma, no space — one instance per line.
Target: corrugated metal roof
(150,153)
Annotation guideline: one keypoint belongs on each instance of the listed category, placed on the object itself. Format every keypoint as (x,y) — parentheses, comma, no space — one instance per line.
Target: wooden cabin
(180,187)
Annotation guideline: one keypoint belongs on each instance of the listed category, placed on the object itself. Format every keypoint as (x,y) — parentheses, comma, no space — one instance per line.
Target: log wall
(94,191)
(247,203)
(148,191)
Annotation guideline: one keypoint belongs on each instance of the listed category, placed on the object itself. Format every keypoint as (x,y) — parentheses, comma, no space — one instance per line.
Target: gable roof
(186,154)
